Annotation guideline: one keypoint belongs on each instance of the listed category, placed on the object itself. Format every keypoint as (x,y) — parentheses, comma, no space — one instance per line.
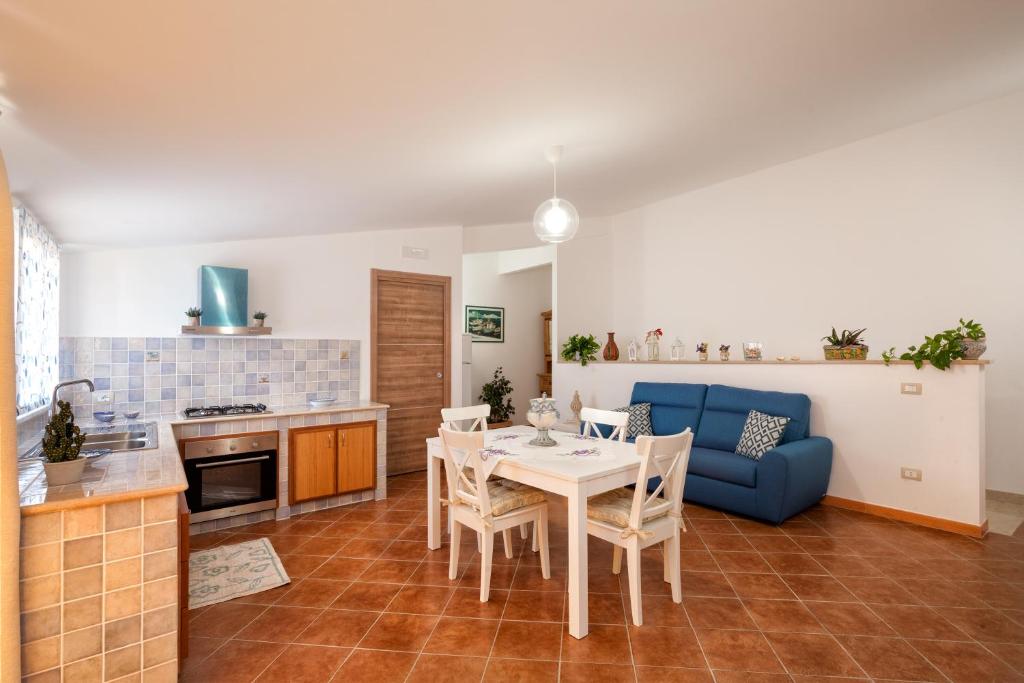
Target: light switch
(911,388)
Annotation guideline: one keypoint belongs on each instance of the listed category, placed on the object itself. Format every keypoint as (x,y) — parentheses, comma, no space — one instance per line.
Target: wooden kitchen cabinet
(327,460)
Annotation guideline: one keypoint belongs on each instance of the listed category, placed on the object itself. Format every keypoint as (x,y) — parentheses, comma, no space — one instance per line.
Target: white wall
(901,233)
(524,294)
(312,287)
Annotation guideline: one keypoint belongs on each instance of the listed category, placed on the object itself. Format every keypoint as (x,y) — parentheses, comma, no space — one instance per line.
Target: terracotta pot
(611,349)
(973,348)
(857,352)
(67,472)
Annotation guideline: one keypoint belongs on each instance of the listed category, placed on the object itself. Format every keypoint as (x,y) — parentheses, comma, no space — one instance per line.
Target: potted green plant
(942,348)
(972,339)
(258,318)
(846,345)
(496,394)
(62,443)
(578,347)
(193,313)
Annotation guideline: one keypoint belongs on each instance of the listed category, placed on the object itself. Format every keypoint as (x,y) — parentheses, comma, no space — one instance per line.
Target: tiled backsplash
(168,374)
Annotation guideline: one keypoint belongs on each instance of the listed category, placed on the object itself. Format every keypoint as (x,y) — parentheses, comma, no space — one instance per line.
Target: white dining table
(549,469)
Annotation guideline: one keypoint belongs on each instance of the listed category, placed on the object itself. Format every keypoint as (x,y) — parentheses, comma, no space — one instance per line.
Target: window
(36,300)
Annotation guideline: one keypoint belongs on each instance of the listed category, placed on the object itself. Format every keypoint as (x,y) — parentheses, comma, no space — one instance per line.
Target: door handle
(231,462)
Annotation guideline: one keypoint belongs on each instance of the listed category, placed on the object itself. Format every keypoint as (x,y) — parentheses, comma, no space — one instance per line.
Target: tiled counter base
(99,592)
(282,420)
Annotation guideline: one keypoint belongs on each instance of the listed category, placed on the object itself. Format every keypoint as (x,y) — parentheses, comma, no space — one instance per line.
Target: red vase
(611,349)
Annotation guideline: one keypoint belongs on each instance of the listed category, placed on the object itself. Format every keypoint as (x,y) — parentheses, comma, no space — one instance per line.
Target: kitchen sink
(130,437)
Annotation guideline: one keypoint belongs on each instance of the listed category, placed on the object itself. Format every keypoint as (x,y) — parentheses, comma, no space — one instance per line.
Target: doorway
(410,362)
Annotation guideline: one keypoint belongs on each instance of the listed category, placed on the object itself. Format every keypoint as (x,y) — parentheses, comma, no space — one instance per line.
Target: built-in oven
(231,475)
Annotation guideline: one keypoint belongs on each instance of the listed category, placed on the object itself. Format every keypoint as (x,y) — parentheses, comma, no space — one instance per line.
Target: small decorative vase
(194,321)
(678,350)
(543,415)
(723,355)
(653,350)
(973,348)
(633,350)
(576,405)
(611,349)
(61,473)
(752,351)
(703,355)
(257,322)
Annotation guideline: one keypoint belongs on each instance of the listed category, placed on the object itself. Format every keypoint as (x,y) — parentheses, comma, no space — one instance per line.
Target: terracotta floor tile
(528,640)
(458,636)
(279,624)
(501,576)
(726,542)
(661,611)
(414,551)
(1009,653)
(790,616)
(321,545)
(238,661)
(774,544)
(405,632)
(697,561)
(341,569)
(849,619)
(530,578)
(538,606)
(705,526)
(579,672)
(840,565)
(987,625)
(889,658)
(520,671)
(707,584)
(812,654)
(362,548)
(939,593)
(604,644)
(338,628)
(299,566)
(880,590)
(723,676)
(377,666)
(918,621)
(436,668)
(313,593)
(718,613)
(305,664)
(465,602)
(286,544)
(366,596)
(810,587)
(389,571)
(436,574)
(605,608)
(382,530)
(793,563)
(223,620)
(740,561)
(964,662)
(760,586)
(661,674)
(738,650)
(659,646)
(420,600)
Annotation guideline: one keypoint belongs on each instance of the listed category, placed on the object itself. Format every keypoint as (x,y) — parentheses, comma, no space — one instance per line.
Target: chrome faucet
(61,385)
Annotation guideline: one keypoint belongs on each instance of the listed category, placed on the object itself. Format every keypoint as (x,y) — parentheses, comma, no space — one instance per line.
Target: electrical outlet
(911,388)
(910,473)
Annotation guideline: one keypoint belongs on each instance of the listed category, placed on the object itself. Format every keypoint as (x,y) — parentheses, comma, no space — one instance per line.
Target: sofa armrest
(792,477)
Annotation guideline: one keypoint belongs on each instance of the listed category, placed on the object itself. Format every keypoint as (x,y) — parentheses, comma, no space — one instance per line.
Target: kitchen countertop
(149,472)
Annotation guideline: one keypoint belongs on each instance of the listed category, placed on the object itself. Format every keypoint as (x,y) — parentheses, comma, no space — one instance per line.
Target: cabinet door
(314,465)
(357,457)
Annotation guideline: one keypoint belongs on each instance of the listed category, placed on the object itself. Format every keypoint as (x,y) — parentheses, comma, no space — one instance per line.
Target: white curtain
(37,296)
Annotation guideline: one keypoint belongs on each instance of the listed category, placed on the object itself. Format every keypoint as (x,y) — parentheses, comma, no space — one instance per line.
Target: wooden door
(410,346)
(313,469)
(357,457)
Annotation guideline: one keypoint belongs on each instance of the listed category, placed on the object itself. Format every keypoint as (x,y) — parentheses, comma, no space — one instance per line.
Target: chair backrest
(673,452)
(592,417)
(479,415)
(462,450)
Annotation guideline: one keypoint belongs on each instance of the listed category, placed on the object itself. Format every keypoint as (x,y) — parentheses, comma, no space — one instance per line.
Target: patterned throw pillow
(761,433)
(639,420)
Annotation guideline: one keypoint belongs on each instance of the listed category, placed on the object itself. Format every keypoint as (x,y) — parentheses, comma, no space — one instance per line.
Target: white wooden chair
(452,417)
(634,520)
(592,417)
(487,507)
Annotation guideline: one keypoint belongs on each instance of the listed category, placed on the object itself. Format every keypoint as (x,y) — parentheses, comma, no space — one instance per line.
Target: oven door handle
(231,462)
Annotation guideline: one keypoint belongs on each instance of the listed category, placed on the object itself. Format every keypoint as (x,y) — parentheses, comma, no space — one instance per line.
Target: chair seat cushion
(613,507)
(505,498)
(723,466)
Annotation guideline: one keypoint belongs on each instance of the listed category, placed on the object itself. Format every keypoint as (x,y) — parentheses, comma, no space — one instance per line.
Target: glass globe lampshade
(556,220)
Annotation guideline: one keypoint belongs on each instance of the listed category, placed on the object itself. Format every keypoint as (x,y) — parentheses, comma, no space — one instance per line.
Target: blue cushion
(723,466)
(674,406)
(726,409)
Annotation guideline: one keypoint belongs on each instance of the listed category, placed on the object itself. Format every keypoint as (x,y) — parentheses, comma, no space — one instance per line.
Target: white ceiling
(157,122)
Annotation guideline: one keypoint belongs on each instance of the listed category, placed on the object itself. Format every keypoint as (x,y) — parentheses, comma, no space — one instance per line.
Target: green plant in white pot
(580,348)
(259,318)
(62,444)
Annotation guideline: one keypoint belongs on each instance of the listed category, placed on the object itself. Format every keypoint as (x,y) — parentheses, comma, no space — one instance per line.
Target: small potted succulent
(702,351)
(846,345)
(972,339)
(723,352)
(580,348)
(193,313)
(496,394)
(258,318)
(62,443)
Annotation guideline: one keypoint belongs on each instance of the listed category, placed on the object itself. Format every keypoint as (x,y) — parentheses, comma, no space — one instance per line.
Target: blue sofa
(786,480)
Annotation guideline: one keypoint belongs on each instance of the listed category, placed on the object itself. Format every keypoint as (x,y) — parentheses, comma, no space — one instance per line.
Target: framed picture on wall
(485,323)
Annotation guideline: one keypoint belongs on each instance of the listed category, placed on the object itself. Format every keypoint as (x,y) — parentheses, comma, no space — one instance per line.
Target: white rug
(231,571)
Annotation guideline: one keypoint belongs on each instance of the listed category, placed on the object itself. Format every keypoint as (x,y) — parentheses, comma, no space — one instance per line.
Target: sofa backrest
(674,406)
(726,408)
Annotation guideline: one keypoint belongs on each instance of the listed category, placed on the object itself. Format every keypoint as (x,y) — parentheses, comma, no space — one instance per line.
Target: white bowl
(322,402)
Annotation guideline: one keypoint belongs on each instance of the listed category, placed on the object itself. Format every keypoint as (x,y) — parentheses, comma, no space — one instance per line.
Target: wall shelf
(210,330)
(747,363)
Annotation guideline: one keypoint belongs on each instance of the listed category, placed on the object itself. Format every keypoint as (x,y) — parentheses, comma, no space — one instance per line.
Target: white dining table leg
(578,617)
(433,502)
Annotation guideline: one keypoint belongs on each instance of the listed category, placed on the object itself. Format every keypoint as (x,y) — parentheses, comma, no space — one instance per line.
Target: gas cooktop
(216,411)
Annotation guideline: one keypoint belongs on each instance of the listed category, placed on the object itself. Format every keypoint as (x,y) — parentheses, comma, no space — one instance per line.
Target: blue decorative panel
(224,296)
